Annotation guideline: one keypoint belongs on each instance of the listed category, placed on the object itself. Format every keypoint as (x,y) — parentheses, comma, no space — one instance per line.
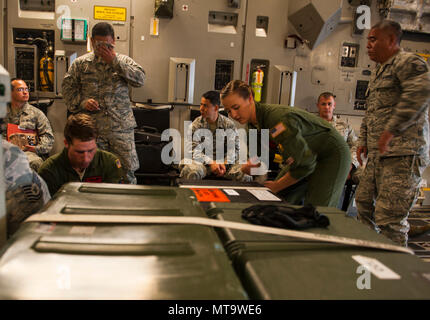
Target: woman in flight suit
(314,150)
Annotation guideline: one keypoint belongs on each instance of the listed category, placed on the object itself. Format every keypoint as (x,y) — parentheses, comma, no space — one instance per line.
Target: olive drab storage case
(117,261)
(276,267)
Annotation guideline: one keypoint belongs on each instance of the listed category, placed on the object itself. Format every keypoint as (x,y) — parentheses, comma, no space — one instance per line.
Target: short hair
(103,29)
(239,87)
(325,95)
(80,126)
(12,80)
(213,97)
(391,27)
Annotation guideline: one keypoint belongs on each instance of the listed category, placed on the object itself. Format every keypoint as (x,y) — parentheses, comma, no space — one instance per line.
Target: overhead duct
(315,20)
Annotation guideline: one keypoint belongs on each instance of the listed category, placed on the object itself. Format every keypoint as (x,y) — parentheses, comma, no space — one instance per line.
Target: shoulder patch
(277,130)
(420,68)
(118,163)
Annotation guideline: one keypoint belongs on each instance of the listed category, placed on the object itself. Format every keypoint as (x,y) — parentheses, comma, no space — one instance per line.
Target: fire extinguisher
(257,83)
(46,72)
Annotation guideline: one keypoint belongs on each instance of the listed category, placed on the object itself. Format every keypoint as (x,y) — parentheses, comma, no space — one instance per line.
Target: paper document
(264,195)
(231,192)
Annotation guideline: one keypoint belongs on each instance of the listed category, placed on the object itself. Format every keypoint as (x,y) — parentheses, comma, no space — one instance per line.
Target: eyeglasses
(22,89)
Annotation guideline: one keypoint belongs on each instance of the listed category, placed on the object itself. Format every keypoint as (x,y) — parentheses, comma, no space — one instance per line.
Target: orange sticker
(210,195)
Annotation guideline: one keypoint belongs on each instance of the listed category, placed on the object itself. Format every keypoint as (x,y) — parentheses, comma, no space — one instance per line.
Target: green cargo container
(276,267)
(121,199)
(127,261)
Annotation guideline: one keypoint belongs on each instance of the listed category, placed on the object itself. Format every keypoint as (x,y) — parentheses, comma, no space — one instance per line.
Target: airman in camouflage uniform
(326,105)
(26,192)
(394,133)
(97,84)
(204,165)
(26,116)
(346,131)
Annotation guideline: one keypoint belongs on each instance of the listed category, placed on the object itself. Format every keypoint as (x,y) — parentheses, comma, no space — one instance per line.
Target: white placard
(264,195)
(347,76)
(231,192)
(67,29)
(376,267)
(80,29)
(82,230)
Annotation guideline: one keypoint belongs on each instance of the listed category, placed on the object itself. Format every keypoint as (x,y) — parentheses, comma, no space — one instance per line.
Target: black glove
(282,216)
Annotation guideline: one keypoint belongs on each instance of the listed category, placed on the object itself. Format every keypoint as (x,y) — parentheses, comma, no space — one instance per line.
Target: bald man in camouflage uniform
(21,113)
(97,84)
(394,133)
(203,165)
(26,192)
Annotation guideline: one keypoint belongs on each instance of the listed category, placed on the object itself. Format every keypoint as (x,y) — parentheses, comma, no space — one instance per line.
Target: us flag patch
(277,130)
(118,163)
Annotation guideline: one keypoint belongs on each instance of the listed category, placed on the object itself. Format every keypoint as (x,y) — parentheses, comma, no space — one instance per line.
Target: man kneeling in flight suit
(80,160)
(203,165)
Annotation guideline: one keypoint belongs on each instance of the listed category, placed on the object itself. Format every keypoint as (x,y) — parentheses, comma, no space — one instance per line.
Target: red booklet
(21,137)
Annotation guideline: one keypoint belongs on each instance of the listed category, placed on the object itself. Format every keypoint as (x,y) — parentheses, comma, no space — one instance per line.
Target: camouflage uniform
(89,77)
(398,99)
(26,192)
(346,131)
(200,168)
(32,118)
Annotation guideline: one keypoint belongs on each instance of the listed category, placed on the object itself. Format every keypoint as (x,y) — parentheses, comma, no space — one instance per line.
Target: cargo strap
(221,187)
(80,218)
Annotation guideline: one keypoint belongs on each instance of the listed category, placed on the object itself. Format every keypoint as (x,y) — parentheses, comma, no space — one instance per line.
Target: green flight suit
(319,153)
(57,170)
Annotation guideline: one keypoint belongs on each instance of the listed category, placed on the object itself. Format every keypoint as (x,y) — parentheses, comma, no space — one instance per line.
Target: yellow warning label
(110,13)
